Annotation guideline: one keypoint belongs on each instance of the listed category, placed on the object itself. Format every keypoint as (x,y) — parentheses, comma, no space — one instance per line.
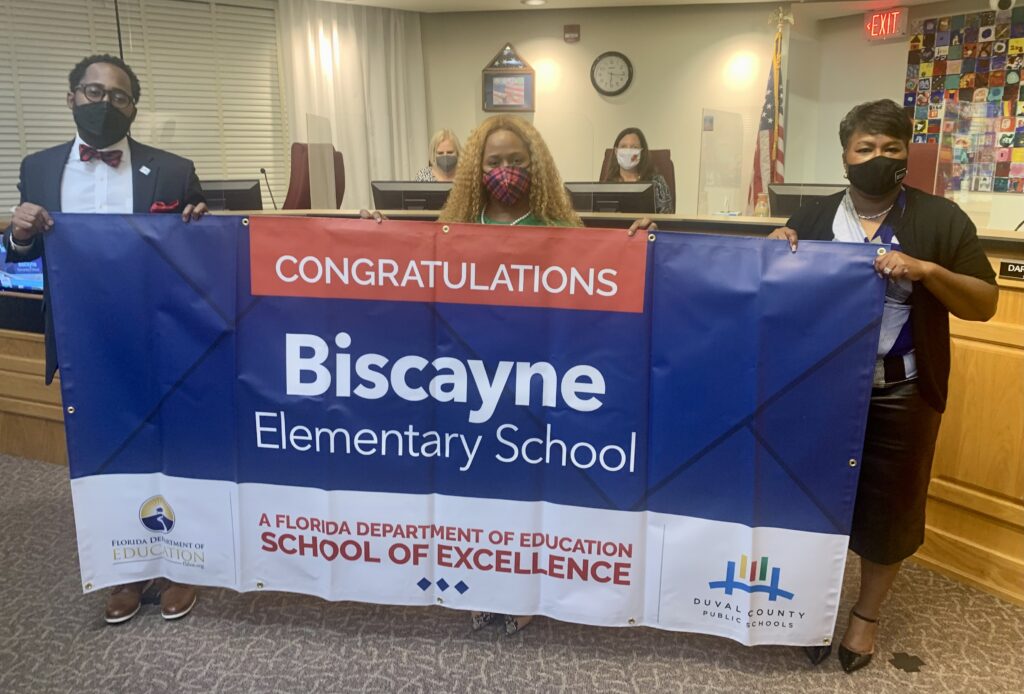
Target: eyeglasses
(95,93)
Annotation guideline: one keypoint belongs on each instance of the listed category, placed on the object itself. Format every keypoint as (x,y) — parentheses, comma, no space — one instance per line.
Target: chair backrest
(339,178)
(298,183)
(923,168)
(662,160)
(298,197)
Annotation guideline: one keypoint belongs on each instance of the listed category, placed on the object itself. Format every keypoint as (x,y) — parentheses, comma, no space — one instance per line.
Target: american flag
(510,91)
(769,152)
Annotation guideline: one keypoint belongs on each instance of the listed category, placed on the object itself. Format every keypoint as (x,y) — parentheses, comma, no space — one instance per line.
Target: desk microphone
(264,172)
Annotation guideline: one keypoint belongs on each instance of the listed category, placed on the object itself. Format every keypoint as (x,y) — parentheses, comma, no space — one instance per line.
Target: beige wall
(833,69)
(678,54)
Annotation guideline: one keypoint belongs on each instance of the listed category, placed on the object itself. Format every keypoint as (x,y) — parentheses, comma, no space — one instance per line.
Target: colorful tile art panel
(964,91)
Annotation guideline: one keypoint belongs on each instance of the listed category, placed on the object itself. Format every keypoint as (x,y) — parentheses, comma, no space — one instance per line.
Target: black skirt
(888,515)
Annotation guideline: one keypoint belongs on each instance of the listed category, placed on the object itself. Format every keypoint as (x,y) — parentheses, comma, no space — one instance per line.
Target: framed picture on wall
(508,82)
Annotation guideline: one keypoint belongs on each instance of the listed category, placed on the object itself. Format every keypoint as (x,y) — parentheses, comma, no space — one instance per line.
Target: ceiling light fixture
(534,3)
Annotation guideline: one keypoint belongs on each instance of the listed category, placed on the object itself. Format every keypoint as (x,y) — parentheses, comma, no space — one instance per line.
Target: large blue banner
(659,430)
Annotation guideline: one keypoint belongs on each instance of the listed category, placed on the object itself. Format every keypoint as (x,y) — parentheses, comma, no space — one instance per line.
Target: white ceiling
(812,9)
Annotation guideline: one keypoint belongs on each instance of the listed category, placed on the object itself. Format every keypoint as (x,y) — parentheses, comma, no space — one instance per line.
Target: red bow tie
(110,156)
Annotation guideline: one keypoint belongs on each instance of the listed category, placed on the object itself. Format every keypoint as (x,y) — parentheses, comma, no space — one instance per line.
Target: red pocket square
(159,206)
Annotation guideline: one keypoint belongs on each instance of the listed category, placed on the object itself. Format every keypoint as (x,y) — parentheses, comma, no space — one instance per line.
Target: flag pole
(767,152)
(780,18)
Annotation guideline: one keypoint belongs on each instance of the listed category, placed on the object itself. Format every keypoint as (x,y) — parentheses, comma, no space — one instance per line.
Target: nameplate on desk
(1011,269)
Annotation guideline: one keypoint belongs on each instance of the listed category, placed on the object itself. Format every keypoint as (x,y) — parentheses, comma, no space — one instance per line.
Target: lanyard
(887,230)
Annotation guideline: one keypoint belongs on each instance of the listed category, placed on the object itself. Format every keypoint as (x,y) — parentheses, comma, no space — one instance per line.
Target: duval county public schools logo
(157,515)
(757,579)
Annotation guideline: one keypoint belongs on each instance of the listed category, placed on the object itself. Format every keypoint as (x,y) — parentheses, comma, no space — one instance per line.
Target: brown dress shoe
(177,600)
(124,602)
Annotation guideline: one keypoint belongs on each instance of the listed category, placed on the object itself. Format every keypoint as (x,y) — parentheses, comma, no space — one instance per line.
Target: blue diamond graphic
(443,585)
(461,587)
(423,583)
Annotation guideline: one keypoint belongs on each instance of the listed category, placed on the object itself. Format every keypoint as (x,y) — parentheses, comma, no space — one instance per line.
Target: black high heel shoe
(817,654)
(851,660)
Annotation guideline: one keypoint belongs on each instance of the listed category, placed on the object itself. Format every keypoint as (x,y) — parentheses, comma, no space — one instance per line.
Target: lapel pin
(144,170)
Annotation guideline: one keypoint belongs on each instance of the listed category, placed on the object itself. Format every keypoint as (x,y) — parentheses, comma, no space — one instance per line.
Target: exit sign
(885,24)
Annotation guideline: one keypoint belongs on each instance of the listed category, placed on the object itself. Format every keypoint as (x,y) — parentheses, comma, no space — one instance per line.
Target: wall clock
(611,74)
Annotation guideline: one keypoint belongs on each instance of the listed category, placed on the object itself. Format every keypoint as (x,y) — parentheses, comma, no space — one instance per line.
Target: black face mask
(100,124)
(877,176)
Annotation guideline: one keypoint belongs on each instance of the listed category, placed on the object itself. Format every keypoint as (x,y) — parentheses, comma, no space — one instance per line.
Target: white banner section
(599,567)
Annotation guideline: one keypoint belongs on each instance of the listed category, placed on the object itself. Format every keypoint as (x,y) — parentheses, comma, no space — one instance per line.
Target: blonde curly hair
(548,199)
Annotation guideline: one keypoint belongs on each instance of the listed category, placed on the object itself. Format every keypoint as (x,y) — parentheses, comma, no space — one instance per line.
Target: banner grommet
(259,585)
(445,229)
(880,251)
(632,622)
(651,237)
(88,586)
(245,221)
(440,601)
(71,409)
(853,462)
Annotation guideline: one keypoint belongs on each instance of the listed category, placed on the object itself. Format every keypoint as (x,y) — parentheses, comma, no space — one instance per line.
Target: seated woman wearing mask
(936,267)
(632,164)
(444,157)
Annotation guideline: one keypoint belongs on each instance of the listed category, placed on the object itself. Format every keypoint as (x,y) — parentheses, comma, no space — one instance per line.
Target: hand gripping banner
(660,430)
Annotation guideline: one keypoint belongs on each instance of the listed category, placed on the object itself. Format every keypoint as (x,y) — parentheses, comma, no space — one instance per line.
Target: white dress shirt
(95,186)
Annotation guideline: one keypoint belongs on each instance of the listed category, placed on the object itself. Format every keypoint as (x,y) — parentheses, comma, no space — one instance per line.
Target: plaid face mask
(508,184)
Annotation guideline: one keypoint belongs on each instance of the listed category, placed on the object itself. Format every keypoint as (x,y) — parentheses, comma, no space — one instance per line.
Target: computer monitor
(786,198)
(241,194)
(410,195)
(20,277)
(637,198)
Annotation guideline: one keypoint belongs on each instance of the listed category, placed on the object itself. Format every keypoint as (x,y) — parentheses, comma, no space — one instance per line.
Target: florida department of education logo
(757,579)
(157,515)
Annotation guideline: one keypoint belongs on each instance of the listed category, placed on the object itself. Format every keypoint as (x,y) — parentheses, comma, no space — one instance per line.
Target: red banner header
(547,267)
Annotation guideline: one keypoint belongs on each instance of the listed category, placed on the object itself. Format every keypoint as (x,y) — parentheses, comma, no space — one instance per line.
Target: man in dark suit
(102,171)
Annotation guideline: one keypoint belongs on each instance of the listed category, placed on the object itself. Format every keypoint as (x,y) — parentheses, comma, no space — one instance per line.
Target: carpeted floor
(52,638)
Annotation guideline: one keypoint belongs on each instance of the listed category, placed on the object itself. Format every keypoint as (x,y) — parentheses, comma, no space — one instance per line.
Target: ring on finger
(887,271)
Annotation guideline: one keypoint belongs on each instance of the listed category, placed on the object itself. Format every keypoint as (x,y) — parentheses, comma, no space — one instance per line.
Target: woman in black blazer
(935,267)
